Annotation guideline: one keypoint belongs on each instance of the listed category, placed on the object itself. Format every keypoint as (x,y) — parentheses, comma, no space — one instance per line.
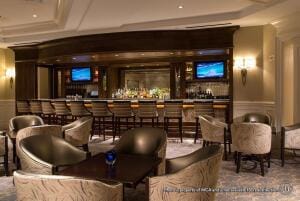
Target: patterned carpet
(276,177)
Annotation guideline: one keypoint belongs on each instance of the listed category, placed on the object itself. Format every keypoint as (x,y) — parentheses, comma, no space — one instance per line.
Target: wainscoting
(7,111)
(242,107)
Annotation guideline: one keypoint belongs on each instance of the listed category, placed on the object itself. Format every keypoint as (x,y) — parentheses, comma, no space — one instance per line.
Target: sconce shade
(244,64)
(10,73)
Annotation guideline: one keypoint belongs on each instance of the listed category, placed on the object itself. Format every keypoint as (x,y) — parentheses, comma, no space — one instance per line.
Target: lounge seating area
(149,100)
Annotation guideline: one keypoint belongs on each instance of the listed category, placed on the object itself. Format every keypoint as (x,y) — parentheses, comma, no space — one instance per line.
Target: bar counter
(221,106)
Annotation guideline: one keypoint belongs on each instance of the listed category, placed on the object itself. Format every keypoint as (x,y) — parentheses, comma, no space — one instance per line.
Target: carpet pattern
(287,178)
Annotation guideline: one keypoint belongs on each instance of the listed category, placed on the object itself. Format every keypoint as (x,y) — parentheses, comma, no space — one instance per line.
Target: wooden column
(112,80)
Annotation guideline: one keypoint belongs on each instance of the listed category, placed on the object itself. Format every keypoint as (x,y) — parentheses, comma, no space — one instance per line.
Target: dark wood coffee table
(128,169)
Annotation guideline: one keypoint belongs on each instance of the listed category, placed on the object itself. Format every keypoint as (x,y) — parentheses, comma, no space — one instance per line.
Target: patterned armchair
(252,139)
(32,187)
(78,132)
(144,141)
(290,140)
(4,151)
(199,169)
(45,154)
(215,131)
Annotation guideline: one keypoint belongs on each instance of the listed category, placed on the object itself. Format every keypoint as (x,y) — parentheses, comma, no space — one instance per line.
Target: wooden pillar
(177,80)
(112,80)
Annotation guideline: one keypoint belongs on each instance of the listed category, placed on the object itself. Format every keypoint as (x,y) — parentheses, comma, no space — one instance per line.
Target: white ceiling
(64,18)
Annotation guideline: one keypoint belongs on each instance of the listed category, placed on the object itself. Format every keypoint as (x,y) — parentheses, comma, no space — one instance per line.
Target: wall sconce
(10,73)
(244,64)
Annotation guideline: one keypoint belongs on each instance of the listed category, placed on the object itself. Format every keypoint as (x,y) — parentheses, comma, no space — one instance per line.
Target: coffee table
(128,169)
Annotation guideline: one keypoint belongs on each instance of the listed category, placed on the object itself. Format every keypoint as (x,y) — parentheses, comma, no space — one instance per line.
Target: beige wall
(248,41)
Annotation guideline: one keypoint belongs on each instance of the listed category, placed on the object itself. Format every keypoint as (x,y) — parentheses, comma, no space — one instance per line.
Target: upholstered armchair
(45,154)
(4,151)
(199,169)
(36,187)
(215,131)
(78,132)
(290,140)
(144,141)
(252,139)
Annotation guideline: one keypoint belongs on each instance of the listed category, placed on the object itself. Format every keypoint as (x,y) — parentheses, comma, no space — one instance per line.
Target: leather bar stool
(48,111)
(101,113)
(23,107)
(201,108)
(148,110)
(173,111)
(61,112)
(36,107)
(78,110)
(122,111)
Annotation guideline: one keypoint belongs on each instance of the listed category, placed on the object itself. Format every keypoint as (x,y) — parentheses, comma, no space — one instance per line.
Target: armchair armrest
(290,136)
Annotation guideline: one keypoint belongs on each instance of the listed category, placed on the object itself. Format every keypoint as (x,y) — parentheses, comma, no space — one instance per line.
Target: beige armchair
(33,187)
(78,132)
(45,154)
(144,141)
(290,140)
(199,169)
(252,139)
(215,131)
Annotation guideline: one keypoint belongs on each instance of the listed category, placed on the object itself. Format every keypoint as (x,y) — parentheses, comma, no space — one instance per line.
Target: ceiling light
(171,53)
(34,15)
(57,60)
(116,55)
(74,58)
(180,6)
(142,54)
(142,65)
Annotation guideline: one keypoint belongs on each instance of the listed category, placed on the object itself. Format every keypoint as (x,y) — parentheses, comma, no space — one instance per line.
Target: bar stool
(78,110)
(61,112)
(101,112)
(148,110)
(36,107)
(122,110)
(48,111)
(173,110)
(202,108)
(23,107)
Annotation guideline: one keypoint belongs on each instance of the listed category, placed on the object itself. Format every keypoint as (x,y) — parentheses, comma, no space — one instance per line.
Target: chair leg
(282,157)
(269,159)
(141,122)
(196,130)
(180,129)
(85,147)
(238,165)
(204,143)
(235,157)
(225,151)
(261,160)
(157,120)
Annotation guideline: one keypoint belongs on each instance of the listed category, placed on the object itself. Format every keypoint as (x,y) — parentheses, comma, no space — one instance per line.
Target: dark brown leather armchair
(44,154)
(258,118)
(144,141)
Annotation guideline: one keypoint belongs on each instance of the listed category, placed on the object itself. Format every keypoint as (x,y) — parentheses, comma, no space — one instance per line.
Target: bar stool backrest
(122,108)
(61,108)
(23,107)
(77,108)
(100,108)
(203,108)
(147,109)
(47,107)
(35,107)
(173,108)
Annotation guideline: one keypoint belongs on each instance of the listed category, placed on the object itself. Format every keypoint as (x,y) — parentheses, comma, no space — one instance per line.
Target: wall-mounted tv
(210,69)
(81,74)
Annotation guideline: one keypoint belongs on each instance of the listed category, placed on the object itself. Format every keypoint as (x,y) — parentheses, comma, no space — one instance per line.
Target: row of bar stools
(101,113)
(122,111)
(201,108)
(36,107)
(78,110)
(148,110)
(173,111)
(23,107)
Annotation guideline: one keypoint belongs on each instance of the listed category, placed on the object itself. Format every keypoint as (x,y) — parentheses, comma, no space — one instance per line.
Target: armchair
(4,151)
(199,169)
(290,140)
(36,187)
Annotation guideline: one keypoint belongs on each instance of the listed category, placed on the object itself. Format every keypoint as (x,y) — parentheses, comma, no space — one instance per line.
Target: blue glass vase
(110,157)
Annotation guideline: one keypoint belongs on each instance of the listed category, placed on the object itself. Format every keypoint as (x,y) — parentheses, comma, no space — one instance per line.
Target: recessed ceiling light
(116,55)
(127,66)
(93,56)
(34,15)
(171,52)
(57,60)
(180,6)
(74,58)
(142,54)
(142,64)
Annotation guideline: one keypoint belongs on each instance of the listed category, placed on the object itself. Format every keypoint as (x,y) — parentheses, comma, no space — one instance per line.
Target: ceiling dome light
(180,6)
(34,16)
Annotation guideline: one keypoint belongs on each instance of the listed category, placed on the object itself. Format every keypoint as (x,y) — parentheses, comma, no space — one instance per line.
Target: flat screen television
(210,69)
(81,74)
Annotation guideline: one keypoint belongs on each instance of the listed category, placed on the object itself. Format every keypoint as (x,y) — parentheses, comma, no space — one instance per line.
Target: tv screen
(81,74)
(210,69)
